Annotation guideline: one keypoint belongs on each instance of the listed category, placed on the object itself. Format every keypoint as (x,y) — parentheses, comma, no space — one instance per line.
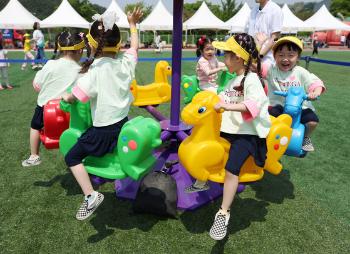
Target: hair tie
(108,19)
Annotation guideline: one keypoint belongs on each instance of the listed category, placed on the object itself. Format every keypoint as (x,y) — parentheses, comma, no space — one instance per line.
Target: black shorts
(96,141)
(38,118)
(307,115)
(243,146)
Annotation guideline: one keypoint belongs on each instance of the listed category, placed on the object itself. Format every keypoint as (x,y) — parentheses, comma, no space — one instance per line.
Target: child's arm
(240,107)
(313,84)
(205,67)
(133,18)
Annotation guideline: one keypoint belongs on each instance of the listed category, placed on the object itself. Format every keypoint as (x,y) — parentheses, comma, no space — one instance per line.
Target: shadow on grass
(274,189)
(117,213)
(67,182)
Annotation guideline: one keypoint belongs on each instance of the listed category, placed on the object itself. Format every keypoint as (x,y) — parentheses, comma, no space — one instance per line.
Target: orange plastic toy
(204,153)
(157,92)
(56,122)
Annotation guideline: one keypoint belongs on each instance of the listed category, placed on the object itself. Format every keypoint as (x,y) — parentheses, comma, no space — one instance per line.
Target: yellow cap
(291,39)
(26,35)
(232,45)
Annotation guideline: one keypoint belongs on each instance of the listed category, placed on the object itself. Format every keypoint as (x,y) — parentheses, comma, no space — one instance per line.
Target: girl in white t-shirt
(245,120)
(106,84)
(39,39)
(52,82)
(4,69)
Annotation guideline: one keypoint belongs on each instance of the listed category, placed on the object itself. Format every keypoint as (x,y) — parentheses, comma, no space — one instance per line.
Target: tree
(229,9)
(86,9)
(146,9)
(303,10)
(340,6)
(191,8)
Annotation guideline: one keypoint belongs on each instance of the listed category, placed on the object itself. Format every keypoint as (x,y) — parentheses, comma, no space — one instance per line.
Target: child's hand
(135,16)
(313,95)
(68,97)
(220,107)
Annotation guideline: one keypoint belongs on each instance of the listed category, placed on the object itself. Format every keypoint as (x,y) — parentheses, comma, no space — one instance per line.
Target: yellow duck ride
(204,153)
(157,92)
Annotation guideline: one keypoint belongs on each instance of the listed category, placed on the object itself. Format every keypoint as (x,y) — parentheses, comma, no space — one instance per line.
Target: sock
(225,212)
(91,198)
(199,184)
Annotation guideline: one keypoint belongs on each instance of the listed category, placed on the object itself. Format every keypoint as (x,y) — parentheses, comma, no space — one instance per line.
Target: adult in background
(39,39)
(265,25)
(348,40)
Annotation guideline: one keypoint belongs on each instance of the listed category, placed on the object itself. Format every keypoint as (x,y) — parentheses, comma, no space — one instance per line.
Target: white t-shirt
(55,78)
(3,53)
(257,121)
(107,86)
(39,38)
(268,20)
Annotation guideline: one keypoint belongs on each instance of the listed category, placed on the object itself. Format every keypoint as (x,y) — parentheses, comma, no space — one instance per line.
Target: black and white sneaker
(307,145)
(219,229)
(197,187)
(87,208)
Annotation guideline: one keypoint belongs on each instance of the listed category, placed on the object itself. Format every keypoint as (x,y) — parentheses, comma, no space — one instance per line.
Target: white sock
(91,199)
(199,184)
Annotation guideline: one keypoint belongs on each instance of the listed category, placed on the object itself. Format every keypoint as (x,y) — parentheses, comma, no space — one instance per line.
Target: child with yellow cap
(285,74)
(245,120)
(27,50)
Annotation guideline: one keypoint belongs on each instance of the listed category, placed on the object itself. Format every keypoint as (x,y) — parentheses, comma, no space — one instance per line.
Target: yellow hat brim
(290,39)
(221,45)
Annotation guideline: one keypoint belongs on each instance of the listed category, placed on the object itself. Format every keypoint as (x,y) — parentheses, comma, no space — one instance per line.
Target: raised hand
(134,16)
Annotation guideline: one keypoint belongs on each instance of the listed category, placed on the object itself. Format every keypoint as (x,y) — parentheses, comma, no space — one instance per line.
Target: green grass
(305,209)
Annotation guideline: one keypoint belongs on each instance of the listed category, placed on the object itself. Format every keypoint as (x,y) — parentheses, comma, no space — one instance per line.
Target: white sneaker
(307,145)
(34,67)
(33,160)
(197,187)
(87,208)
(219,229)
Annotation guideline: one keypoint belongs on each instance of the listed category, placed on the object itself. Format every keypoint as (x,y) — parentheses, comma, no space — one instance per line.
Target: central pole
(176,56)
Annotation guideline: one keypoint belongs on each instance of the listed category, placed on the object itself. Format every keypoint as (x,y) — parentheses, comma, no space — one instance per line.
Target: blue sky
(169,3)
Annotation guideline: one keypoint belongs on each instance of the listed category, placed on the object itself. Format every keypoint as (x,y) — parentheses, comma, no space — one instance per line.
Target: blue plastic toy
(295,97)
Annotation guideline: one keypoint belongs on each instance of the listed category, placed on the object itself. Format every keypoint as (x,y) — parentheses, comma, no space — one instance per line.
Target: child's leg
(92,199)
(276,110)
(34,142)
(24,65)
(237,156)
(310,120)
(83,179)
(2,78)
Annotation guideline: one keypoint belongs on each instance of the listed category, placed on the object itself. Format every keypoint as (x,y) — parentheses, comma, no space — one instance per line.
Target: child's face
(208,51)
(286,59)
(232,61)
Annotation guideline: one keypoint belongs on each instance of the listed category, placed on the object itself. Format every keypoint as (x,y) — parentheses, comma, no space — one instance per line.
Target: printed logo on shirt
(286,84)
(233,96)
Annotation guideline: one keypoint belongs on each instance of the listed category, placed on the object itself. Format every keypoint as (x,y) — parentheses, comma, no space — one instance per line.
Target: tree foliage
(225,11)
(146,9)
(43,8)
(303,10)
(340,6)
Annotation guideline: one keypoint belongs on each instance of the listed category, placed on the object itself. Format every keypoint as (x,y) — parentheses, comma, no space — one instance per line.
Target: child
(285,74)
(107,85)
(27,50)
(245,120)
(4,69)
(207,68)
(208,65)
(39,39)
(52,82)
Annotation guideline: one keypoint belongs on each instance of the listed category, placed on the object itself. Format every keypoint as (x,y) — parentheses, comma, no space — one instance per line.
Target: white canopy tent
(323,20)
(65,16)
(204,19)
(159,19)
(15,16)
(122,18)
(238,23)
(291,23)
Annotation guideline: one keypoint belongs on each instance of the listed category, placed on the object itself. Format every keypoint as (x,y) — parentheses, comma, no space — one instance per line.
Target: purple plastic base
(127,188)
